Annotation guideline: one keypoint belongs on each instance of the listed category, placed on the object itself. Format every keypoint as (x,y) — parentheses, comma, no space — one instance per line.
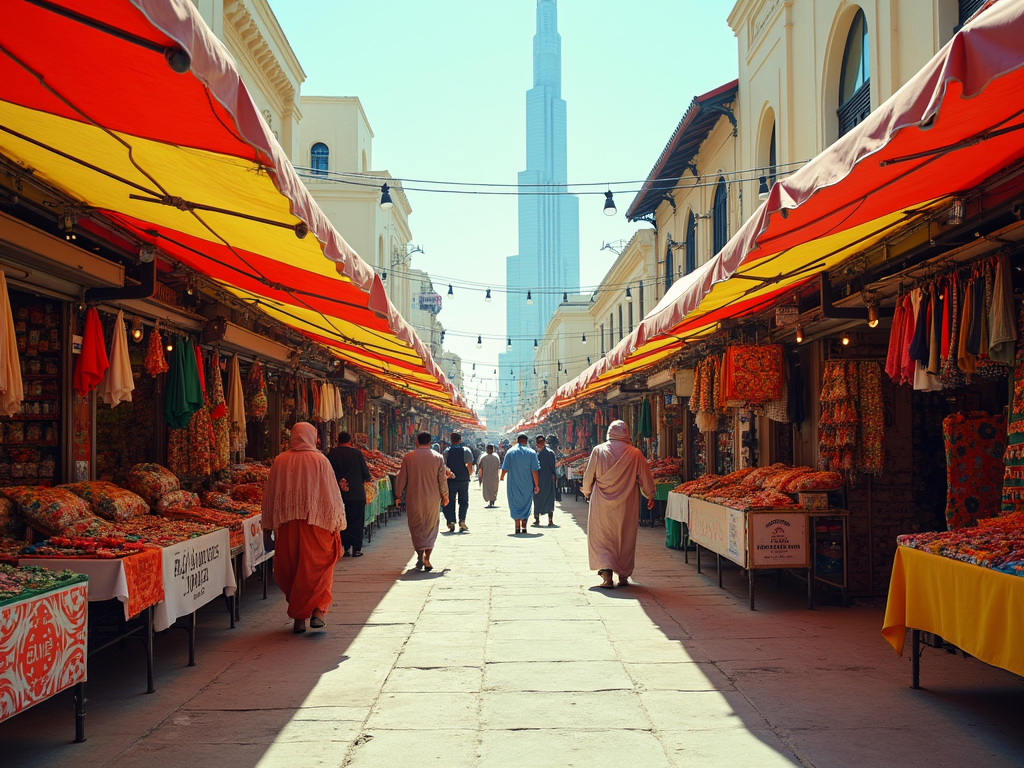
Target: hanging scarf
(92,362)
(155,361)
(218,414)
(11,389)
(236,407)
(256,393)
(118,384)
(184,396)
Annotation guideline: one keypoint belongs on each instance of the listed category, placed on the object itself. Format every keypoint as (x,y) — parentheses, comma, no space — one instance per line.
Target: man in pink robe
(423,483)
(615,474)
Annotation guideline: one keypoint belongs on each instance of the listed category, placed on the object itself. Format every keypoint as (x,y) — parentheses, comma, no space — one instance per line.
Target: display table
(195,572)
(379,506)
(43,650)
(974,608)
(759,539)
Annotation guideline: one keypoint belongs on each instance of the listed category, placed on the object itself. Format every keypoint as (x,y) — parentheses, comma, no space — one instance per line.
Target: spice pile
(761,487)
(995,542)
(662,468)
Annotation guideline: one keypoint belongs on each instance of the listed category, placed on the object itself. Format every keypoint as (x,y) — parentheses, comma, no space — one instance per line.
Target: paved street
(507,656)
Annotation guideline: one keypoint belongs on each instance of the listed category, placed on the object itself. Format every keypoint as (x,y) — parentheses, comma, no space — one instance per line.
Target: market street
(506,655)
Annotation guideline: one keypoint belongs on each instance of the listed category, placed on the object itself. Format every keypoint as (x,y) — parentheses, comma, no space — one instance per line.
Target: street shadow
(525,535)
(413,574)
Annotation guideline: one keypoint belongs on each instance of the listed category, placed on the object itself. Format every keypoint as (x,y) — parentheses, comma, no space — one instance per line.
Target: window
(602,339)
(669,269)
(773,158)
(691,243)
(855,77)
(319,156)
(967,8)
(720,216)
(642,298)
(630,305)
(621,332)
(611,331)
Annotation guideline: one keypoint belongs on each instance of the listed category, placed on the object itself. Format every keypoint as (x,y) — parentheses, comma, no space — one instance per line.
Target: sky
(443,84)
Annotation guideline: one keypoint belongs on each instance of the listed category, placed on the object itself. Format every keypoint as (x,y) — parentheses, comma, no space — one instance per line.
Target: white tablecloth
(678,507)
(253,552)
(195,572)
(106,577)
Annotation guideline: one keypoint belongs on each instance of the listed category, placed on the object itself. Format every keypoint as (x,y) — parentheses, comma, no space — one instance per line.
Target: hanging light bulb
(588,361)
(593,297)
(799,335)
(534,343)
(479,342)
(386,203)
(474,366)
(487,296)
(535,371)
(529,298)
(845,340)
(609,204)
(509,343)
(565,297)
(170,346)
(584,338)
(384,277)
(451,293)
(629,293)
(559,365)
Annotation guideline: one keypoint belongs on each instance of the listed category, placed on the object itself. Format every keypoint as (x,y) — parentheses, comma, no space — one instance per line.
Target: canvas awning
(955,125)
(135,111)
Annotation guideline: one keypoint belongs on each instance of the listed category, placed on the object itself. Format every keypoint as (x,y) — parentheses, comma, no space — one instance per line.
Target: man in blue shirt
(459,460)
(521,466)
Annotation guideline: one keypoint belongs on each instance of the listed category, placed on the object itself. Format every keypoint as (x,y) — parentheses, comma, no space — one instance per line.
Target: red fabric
(753,373)
(304,560)
(92,362)
(144,573)
(892,359)
(909,327)
(202,371)
(947,310)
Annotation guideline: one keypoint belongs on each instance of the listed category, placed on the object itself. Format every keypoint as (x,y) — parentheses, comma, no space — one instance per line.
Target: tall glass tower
(548,262)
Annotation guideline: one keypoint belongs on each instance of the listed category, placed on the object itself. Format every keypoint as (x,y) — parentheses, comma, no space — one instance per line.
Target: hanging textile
(893,359)
(256,393)
(92,361)
(645,428)
(1013,458)
(339,409)
(118,383)
(316,391)
(11,388)
(838,438)
(975,444)
(219,416)
(155,361)
(870,455)
(1002,328)
(184,396)
(796,391)
(752,374)
(236,407)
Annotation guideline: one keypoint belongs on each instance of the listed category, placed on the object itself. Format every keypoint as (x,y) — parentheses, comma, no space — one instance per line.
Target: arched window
(773,158)
(364,161)
(319,156)
(691,243)
(670,270)
(855,76)
(720,216)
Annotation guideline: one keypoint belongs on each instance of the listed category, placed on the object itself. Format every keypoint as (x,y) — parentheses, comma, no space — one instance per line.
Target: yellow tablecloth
(979,610)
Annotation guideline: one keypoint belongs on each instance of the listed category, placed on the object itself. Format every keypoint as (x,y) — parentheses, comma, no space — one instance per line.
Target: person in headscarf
(487,471)
(521,467)
(302,505)
(615,473)
(422,481)
(544,499)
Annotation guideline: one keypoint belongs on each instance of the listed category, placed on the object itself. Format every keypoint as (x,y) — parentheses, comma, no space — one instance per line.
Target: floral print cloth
(175,500)
(151,481)
(155,361)
(110,501)
(49,509)
(753,374)
(995,542)
(12,524)
(975,443)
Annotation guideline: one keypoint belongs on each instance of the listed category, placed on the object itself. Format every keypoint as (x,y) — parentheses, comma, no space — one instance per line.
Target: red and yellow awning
(954,125)
(93,108)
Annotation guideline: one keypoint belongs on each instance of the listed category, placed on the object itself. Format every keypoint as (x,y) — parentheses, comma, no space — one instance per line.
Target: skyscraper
(548,262)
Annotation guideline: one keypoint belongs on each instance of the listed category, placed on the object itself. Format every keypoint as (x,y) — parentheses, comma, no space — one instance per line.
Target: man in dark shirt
(459,459)
(351,472)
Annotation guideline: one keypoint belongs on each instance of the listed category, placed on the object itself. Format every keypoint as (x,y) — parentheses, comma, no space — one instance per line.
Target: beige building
(562,354)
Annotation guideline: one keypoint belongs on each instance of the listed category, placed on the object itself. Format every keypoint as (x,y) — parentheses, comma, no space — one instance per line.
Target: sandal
(299,626)
(605,574)
(317,622)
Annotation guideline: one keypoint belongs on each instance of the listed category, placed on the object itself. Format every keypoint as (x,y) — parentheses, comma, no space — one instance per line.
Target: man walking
(422,483)
(487,470)
(521,467)
(459,460)
(544,498)
(351,472)
(610,483)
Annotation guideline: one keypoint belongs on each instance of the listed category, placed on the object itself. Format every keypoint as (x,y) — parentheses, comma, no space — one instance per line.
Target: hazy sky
(443,83)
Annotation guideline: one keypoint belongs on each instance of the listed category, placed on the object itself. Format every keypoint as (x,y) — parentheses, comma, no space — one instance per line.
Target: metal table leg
(263,565)
(80,713)
(750,586)
(149,651)
(718,565)
(192,639)
(698,558)
(915,658)
(810,585)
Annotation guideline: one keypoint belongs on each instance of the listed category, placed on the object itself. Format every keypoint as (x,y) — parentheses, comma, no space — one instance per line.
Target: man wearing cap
(522,467)
(544,498)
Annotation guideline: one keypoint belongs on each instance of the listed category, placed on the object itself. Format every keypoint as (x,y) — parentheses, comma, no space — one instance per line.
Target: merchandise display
(152,482)
(975,444)
(19,583)
(666,468)
(109,501)
(49,509)
(995,542)
(768,487)
(852,418)
(1013,458)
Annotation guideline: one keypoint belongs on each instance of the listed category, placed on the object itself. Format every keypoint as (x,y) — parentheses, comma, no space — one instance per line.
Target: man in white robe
(615,475)
(487,470)
(423,483)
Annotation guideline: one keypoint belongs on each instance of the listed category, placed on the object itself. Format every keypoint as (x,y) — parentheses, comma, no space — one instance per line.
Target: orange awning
(955,125)
(91,106)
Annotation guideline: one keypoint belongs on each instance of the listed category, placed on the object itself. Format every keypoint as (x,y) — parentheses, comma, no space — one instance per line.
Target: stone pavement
(506,655)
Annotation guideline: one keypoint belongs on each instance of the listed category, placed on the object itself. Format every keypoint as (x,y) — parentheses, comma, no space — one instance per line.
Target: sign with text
(719,529)
(195,572)
(430,302)
(778,539)
(254,552)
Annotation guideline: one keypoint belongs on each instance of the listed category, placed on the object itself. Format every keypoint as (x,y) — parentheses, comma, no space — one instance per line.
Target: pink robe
(421,483)
(615,473)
